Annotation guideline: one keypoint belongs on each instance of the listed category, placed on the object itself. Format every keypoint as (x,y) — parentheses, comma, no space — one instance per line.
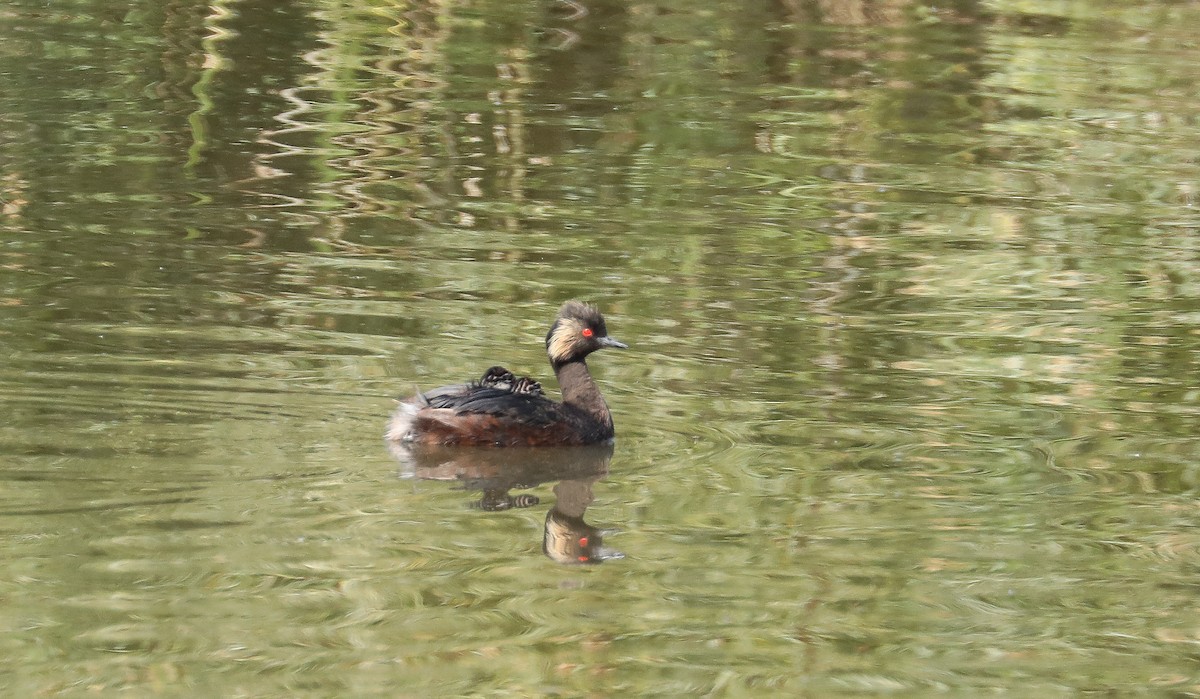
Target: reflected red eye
(586,332)
(583,541)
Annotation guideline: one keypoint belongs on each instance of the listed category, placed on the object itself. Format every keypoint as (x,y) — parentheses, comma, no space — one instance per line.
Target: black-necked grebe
(505,410)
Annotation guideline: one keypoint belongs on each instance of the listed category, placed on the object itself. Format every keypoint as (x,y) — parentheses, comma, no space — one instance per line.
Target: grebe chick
(501,409)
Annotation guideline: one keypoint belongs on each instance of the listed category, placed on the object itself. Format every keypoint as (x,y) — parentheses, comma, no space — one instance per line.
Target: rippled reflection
(567,538)
(912,407)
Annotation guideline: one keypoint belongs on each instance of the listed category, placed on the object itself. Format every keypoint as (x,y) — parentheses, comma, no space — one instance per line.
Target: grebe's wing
(499,392)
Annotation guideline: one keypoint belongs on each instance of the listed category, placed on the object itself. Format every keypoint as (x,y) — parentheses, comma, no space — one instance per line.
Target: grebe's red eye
(586,332)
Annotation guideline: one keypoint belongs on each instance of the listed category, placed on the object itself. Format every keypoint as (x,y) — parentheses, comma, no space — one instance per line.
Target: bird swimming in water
(501,409)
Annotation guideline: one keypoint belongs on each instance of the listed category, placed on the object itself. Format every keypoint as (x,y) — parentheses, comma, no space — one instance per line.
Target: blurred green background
(912,293)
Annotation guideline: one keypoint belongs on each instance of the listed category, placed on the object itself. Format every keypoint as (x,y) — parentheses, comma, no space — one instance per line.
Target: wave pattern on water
(910,294)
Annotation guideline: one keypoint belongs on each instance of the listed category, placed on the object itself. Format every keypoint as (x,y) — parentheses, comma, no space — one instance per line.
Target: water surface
(910,404)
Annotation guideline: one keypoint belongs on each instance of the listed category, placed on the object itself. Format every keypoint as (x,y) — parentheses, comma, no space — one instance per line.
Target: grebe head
(578,331)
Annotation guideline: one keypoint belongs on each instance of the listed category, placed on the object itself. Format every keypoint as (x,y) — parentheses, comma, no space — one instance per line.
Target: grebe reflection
(567,538)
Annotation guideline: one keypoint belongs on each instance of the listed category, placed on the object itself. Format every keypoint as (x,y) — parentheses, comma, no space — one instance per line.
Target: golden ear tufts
(562,338)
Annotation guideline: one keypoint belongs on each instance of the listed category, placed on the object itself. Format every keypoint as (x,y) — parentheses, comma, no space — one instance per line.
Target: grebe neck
(580,391)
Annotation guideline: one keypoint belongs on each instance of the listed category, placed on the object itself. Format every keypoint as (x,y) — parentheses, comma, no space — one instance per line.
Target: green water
(912,294)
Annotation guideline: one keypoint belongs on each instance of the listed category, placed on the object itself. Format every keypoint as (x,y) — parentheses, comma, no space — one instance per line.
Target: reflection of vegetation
(888,170)
(855,245)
